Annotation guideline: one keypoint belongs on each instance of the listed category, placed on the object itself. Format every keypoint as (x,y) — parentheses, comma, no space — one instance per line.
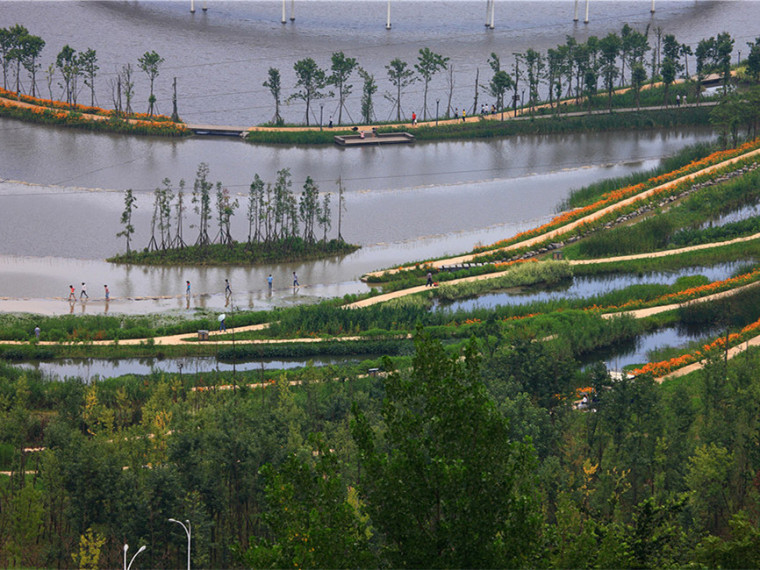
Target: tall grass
(524,274)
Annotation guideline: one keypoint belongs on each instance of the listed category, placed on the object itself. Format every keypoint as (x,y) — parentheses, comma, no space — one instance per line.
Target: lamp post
(437,101)
(320,116)
(189,532)
(126,547)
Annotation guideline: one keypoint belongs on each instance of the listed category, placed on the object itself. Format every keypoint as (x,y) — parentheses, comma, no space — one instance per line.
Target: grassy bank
(492,128)
(291,249)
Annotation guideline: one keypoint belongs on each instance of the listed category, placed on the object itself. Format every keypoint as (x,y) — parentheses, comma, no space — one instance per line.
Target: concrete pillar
(575,12)
(493,10)
(283,11)
(388,18)
(651,10)
(586,20)
(292,10)
(192,6)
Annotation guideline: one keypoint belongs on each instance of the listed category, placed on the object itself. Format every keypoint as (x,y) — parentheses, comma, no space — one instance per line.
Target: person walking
(269,282)
(414,118)
(227,289)
(108,293)
(37,332)
(187,290)
(295,280)
(429,279)
(72,293)
(464,115)
(84,291)
(222,325)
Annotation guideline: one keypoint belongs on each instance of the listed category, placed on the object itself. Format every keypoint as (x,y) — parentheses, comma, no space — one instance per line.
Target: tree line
(274,213)
(20,49)
(570,70)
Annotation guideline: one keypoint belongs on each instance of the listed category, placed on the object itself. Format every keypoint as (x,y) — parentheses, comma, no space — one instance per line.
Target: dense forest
(478,458)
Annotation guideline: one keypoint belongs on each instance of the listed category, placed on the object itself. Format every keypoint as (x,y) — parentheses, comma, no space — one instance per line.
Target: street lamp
(126,547)
(188,531)
(320,116)
(437,101)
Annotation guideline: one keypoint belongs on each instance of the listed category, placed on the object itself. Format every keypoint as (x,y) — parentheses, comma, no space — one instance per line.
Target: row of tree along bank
(571,74)
(281,225)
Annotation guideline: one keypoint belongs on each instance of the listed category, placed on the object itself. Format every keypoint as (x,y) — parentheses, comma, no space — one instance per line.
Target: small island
(282,227)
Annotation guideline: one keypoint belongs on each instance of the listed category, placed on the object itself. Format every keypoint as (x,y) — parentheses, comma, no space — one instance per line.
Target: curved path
(567,228)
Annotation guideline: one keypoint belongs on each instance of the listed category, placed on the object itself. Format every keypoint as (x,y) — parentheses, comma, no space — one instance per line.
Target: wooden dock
(218,131)
(372,138)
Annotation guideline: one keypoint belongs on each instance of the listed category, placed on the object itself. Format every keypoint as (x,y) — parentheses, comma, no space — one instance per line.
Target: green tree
(428,64)
(724,47)
(500,83)
(311,518)
(708,477)
(254,211)
(32,48)
(130,205)
(15,54)
(308,206)
(90,549)
(444,485)
(535,67)
(638,77)
(202,203)
(671,63)
(369,88)
(311,79)
(324,217)
(704,54)
(150,62)
(88,61)
(66,62)
(753,59)
(6,44)
(274,84)
(609,48)
(400,77)
(341,69)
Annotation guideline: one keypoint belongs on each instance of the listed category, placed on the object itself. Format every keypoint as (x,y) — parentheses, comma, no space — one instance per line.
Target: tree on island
(274,85)
(311,80)
(428,64)
(369,88)
(150,63)
(281,223)
(341,69)
(66,62)
(400,77)
(126,218)
(88,61)
(202,203)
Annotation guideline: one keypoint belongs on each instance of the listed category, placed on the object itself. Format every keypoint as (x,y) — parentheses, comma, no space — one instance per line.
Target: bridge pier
(388,17)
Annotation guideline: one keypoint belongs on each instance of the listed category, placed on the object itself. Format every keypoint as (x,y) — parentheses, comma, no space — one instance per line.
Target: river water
(61,191)
(221,57)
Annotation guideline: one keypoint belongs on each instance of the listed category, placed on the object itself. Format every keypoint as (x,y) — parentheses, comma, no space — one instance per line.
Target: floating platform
(371,138)
(218,131)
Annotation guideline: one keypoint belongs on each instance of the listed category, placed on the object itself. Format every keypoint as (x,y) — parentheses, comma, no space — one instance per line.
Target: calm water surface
(61,191)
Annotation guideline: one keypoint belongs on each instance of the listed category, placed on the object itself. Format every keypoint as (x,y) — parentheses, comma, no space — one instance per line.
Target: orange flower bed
(85,109)
(614,196)
(662,368)
(685,295)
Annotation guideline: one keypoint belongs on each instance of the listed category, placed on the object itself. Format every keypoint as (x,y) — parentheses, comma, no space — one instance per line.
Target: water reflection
(589,286)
